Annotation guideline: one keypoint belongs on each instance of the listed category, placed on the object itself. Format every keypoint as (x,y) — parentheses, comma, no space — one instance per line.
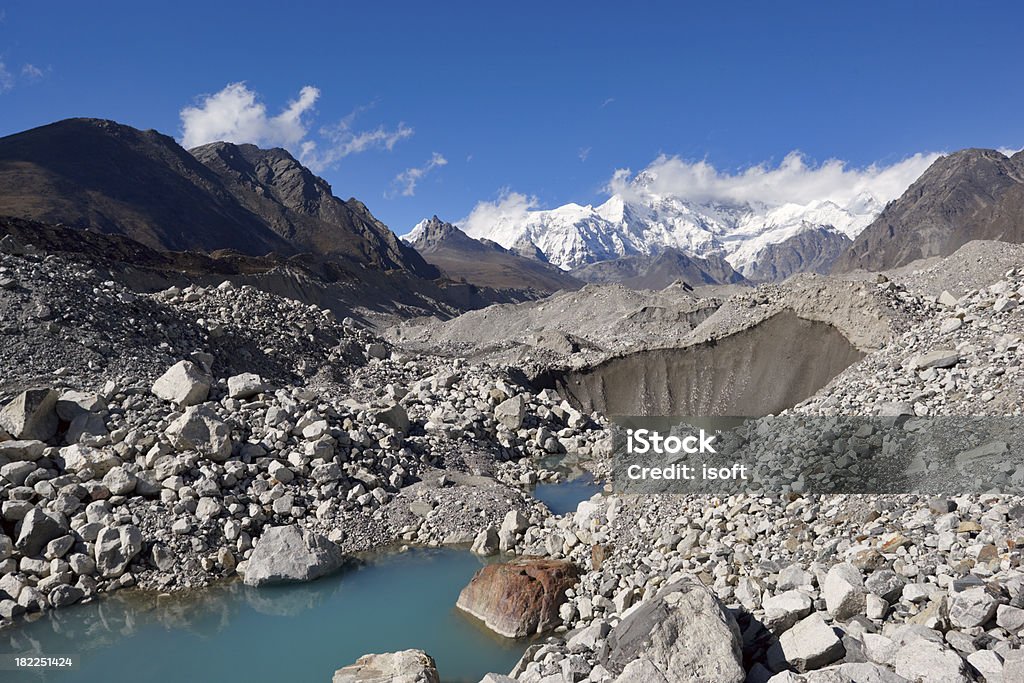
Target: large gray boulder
(31,415)
(38,529)
(79,457)
(811,644)
(184,383)
(116,547)
(683,633)
(29,450)
(200,429)
(246,385)
(289,554)
(72,404)
(407,666)
(511,412)
(844,591)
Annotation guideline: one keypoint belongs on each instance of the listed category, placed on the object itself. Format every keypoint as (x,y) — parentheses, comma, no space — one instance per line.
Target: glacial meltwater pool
(564,496)
(274,634)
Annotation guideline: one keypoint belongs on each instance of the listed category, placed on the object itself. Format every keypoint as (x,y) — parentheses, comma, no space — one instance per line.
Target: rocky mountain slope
(974,194)
(642,222)
(117,179)
(301,207)
(660,271)
(482,262)
(349,289)
(811,251)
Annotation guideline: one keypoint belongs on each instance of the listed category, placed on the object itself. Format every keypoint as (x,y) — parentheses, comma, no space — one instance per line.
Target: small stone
(515,522)
(782,611)
(511,412)
(119,481)
(64,595)
(38,529)
(280,472)
(940,358)
(116,547)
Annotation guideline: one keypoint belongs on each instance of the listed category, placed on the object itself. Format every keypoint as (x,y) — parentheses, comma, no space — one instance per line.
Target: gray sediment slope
(764,369)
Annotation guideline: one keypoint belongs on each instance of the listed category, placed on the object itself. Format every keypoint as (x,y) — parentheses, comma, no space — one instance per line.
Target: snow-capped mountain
(638,221)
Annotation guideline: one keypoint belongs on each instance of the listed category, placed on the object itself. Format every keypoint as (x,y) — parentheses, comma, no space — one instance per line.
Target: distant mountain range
(639,222)
(973,194)
(482,262)
(117,179)
(142,185)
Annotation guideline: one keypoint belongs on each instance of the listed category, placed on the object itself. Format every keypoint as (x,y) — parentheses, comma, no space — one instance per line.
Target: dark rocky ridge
(973,194)
(302,208)
(485,263)
(660,270)
(117,179)
(344,287)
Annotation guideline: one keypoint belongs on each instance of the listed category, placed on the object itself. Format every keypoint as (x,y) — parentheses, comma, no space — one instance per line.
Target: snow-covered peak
(638,221)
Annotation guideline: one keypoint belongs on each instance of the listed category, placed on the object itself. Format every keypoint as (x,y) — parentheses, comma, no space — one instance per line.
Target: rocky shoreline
(171,440)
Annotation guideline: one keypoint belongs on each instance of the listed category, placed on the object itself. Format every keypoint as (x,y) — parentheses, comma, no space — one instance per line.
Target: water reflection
(301,632)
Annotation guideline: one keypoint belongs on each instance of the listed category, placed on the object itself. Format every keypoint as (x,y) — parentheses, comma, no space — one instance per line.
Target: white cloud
(607,102)
(6,79)
(794,180)
(236,114)
(32,72)
(584,153)
(343,141)
(406,180)
(510,206)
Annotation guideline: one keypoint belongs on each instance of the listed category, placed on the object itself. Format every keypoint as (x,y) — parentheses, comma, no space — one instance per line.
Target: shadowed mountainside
(973,194)
(117,179)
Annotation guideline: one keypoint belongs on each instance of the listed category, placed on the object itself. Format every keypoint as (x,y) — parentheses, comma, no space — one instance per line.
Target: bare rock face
(31,415)
(521,597)
(407,666)
(683,633)
(973,194)
(289,554)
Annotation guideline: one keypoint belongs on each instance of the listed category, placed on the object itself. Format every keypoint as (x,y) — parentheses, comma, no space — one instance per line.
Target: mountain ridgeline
(483,262)
(973,194)
(239,199)
(98,174)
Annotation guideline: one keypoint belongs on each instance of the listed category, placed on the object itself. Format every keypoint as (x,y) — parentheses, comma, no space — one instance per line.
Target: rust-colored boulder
(521,597)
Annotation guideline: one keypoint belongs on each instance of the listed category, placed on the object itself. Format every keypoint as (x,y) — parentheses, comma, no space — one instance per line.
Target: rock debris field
(170,440)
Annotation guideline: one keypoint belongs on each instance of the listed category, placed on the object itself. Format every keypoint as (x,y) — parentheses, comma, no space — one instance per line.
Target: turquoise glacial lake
(280,634)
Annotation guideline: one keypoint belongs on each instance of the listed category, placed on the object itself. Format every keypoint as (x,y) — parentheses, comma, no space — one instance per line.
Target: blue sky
(426,108)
